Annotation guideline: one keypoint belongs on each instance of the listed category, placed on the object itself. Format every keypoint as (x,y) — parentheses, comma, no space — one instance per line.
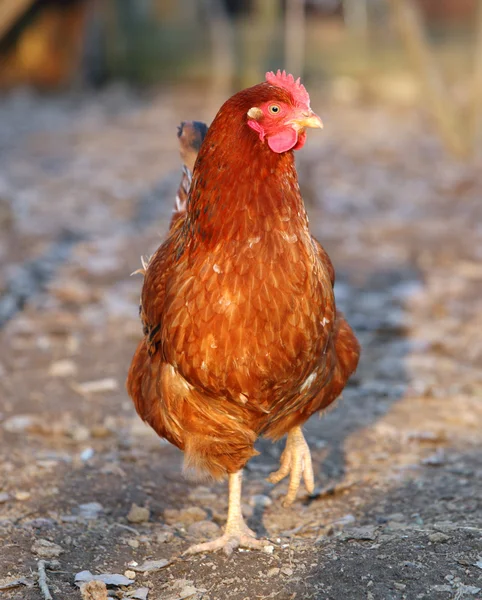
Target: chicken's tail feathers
(191,135)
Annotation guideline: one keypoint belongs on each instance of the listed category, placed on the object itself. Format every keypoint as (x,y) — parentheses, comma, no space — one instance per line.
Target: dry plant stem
(295,36)
(222,50)
(476,109)
(295,461)
(42,580)
(409,22)
(237,533)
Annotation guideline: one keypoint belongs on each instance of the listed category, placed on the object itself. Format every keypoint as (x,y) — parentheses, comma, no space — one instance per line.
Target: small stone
(435,460)
(273,572)
(22,423)
(260,500)
(268,549)
(399,586)
(438,538)
(345,520)
(133,543)
(398,517)
(100,431)
(130,574)
(287,571)
(86,388)
(90,510)
(192,515)
(468,589)
(114,579)
(21,496)
(149,566)
(79,433)
(359,533)
(187,592)
(186,516)
(139,594)
(62,368)
(8,583)
(138,514)
(203,529)
(171,516)
(164,536)
(93,590)
(46,549)
(4,497)
(86,454)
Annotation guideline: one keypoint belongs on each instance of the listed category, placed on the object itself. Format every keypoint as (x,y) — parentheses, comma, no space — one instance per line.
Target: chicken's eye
(274,109)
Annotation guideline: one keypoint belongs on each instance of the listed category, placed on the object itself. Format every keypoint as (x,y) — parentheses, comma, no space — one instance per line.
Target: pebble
(21,496)
(273,572)
(468,589)
(438,538)
(133,543)
(185,516)
(100,431)
(130,574)
(164,536)
(399,586)
(79,433)
(4,497)
(138,514)
(149,566)
(86,454)
(109,384)
(139,594)
(90,510)
(260,500)
(287,571)
(345,520)
(62,368)
(359,533)
(46,549)
(93,590)
(203,529)
(435,460)
(188,592)
(21,423)
(108,578)
(268,549)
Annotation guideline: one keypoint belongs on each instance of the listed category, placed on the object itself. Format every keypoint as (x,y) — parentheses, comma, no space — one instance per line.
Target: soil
(86,187)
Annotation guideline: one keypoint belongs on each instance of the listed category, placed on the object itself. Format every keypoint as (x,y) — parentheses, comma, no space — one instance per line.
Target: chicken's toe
(228,543)
(295,461)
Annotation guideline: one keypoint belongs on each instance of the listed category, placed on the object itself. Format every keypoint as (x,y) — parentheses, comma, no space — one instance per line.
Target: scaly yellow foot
(237,534)
(295,460)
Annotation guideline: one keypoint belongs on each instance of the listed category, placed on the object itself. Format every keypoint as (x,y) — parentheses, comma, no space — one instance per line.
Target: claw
(237,533)
(295,461)
(229,542)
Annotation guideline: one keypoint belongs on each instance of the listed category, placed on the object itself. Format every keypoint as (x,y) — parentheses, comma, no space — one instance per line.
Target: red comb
(290,84)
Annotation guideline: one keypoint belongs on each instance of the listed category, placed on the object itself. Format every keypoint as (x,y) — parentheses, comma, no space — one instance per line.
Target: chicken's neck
(245,193)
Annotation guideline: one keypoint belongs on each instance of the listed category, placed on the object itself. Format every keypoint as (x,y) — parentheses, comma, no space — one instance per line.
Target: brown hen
(241,334)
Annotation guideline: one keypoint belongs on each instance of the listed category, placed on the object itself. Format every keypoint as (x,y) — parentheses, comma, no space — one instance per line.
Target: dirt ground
(86,188)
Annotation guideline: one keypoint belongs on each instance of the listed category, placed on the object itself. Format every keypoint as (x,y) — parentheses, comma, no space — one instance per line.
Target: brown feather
(242,334)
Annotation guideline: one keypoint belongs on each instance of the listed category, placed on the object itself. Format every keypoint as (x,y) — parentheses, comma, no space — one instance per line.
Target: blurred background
(403,51)
(91,94)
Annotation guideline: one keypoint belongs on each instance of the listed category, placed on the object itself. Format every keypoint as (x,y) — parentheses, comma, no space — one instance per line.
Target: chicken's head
(283,119)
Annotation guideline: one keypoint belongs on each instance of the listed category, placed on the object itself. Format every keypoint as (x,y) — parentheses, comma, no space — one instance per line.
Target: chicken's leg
(237,533)
(295,460)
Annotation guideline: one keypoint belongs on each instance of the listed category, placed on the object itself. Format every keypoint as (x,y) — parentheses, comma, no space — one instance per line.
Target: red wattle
(283,141)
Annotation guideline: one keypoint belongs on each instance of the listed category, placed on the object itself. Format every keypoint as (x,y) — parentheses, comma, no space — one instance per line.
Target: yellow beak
(308,119)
